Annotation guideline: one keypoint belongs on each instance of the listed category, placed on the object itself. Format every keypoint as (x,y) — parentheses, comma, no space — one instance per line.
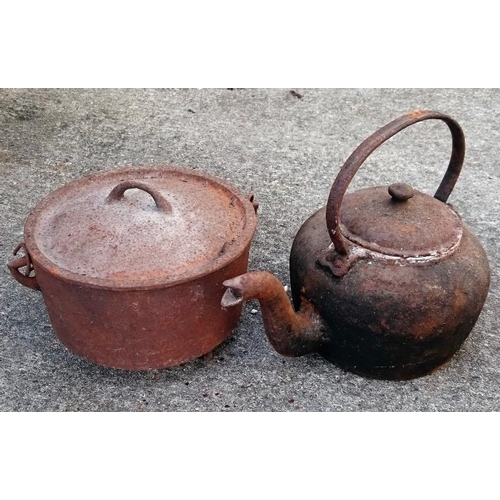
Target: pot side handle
(23,261)
(253,201)
(369,145)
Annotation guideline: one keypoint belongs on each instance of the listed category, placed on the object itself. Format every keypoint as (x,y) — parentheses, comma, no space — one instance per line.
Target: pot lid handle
(117,194)
(369,145)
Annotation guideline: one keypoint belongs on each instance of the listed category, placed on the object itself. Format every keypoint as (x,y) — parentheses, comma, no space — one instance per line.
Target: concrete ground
(287,149)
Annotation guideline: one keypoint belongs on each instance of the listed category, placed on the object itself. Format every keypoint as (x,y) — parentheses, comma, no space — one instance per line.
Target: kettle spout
(290,333)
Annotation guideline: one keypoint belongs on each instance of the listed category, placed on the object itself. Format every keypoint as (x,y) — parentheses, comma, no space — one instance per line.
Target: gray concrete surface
(288,151)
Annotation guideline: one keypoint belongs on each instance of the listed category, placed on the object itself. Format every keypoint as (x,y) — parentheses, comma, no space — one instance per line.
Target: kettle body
(386,318)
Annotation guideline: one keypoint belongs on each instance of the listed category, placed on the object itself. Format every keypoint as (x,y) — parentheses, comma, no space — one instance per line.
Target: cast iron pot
(131,263)
(386,283)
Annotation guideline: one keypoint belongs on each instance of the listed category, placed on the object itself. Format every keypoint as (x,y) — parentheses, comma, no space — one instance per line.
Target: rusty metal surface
(90,232)
(419,226)
(388,320)
(288,151)
(398,289)
(367,147)
(405,281)
(117,193)
(401,191)
(136,283)
(384,319)
(25,263)
(289,333)
(142,329)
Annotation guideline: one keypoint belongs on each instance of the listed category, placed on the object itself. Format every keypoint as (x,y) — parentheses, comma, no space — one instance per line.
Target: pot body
(141,329)
(388,318)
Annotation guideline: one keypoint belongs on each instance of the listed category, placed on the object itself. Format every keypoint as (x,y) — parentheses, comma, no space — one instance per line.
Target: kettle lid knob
(400,191)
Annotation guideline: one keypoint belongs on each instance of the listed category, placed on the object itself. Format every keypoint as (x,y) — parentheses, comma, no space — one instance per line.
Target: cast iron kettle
(390,286)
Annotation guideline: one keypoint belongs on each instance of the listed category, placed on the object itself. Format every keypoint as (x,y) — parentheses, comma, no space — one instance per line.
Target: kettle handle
(369,145)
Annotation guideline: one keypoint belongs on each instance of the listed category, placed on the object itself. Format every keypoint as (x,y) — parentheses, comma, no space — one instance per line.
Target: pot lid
(399,221)
(140,227)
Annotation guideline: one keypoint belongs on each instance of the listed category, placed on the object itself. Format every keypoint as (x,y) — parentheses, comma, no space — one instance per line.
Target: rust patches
(357,158)
(388,288)
(253,201)
(23,262)
(290,333)
(110,297)
(387,320)
(117,194)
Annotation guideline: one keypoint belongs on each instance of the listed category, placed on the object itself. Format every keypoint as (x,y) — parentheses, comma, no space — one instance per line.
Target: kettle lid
(399,221)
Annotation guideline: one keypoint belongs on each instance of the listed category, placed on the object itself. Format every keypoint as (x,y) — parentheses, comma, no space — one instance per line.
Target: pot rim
(234,251)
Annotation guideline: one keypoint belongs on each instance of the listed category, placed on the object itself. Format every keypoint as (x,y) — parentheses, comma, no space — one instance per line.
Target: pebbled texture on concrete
(285,148)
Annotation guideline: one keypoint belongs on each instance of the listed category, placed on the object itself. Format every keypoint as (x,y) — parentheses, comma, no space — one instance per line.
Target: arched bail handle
(117,194)
(369,145)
